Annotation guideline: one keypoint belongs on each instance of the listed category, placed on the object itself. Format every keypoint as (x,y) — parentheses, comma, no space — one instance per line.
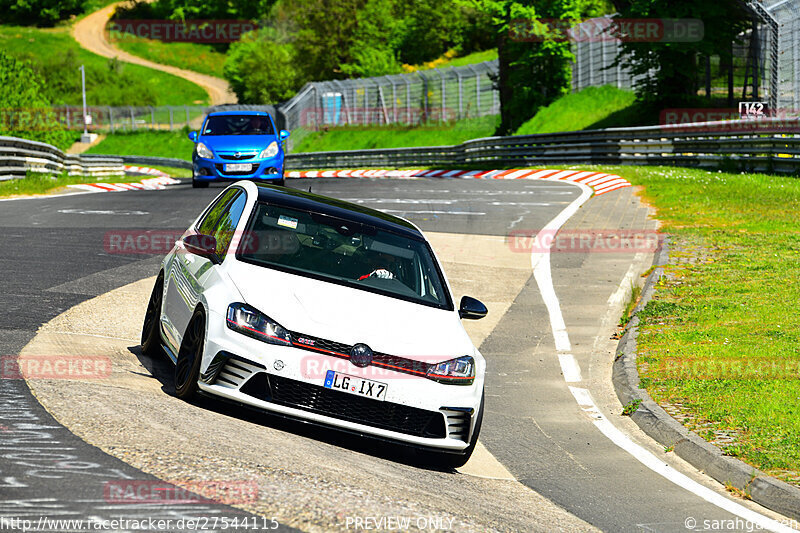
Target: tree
(38,12)
(262,70)
(24,112)
(374,46)
(668,69)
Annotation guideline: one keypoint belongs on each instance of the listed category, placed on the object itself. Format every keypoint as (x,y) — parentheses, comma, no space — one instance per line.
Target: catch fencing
(435,95)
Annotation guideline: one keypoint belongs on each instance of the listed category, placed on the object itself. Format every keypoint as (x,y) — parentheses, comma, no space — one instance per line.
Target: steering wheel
(380,273)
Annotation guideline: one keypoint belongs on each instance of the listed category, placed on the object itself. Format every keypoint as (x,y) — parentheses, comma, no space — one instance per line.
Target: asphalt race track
(545,464)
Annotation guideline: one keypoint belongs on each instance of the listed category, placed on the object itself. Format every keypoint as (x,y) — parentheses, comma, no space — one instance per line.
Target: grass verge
(150,143)
(56,56)
(202,58)
(37,183)
(584,110)
(364,137)
(719,343)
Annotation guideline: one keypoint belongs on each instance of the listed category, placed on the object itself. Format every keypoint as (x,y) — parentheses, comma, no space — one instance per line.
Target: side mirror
(283,135)
(202,245)
(192,136)
(471,308)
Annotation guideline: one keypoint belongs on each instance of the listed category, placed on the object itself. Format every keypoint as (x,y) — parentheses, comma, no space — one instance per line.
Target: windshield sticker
(288,222)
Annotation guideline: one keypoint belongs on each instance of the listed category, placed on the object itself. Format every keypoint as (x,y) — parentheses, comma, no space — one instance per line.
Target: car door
(190,274)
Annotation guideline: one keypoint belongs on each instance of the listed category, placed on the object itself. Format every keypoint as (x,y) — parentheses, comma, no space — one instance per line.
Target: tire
(151,334)
(187,367)
(457,461)
(199,184)
(280,183)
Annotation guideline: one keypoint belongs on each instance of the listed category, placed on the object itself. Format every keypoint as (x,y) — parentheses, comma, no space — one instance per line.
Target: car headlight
(459,371)
(253,323)
(204,152)
(269,151)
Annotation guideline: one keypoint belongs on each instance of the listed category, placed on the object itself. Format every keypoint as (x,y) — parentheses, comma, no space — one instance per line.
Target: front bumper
(289,381)
(214,169)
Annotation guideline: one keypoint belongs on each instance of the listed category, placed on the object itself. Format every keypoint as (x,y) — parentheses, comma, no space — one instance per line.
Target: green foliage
(669,70)
(532,74)
(261,70)
(313,40)
(428,29)
(24,111)
(38,12)
(196,10)
(375,42)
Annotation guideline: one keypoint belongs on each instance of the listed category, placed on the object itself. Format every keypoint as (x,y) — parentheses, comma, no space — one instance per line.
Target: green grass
(174,172)
(202,58)
(150,143)
(36,183)
(471,59)
(56,56)
(363,137)
(449,59)
(582,110)
(730,299)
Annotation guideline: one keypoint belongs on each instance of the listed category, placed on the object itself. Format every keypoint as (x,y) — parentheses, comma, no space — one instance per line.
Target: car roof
(306,201)
(240,112)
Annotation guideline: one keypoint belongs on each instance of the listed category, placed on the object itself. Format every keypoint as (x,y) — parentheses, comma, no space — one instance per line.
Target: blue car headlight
(250,321)
(204,152)
(269,151)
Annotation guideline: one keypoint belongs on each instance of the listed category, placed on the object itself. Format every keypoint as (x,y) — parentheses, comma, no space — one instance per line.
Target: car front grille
(336,404)
(233,157)
(341,350)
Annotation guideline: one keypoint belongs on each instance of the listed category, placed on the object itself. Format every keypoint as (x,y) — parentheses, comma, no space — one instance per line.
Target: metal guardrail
(18,156)
(144,160)
(768,145)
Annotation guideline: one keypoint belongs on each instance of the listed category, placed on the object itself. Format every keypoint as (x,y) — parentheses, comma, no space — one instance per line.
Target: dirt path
(90,34)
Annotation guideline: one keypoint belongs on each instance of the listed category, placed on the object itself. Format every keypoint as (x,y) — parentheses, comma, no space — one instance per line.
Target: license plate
(238,167)
(355,385)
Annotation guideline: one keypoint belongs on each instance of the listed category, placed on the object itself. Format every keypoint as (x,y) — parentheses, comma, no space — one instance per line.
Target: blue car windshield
(238,125)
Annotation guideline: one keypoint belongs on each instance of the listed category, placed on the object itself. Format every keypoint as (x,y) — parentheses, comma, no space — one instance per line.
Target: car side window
(228,221)
(209,221)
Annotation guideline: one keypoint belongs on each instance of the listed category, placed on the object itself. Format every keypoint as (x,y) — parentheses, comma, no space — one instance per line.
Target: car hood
(240,143)
(347,315)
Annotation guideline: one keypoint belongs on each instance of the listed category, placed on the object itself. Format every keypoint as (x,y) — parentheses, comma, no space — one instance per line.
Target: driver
(385,266)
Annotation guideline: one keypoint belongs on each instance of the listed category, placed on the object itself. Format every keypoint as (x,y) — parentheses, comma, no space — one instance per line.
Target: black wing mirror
(471,308)
(202,245)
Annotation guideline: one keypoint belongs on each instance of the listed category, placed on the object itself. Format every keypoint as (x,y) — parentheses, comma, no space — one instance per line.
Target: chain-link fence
(110,119)
(765,65)
(787,18)
(436,95)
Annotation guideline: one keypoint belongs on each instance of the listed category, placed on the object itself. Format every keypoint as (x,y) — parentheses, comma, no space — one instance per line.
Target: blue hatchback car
(237,145)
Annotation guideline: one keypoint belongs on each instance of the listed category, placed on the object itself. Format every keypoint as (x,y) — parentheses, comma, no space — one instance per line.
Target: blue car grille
(233,157)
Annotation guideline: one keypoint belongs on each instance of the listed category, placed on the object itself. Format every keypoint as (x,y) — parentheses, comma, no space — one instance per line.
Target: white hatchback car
(322,310)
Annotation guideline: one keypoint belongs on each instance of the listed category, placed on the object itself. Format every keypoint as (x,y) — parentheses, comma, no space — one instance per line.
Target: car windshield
(344,252)
(238,125)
